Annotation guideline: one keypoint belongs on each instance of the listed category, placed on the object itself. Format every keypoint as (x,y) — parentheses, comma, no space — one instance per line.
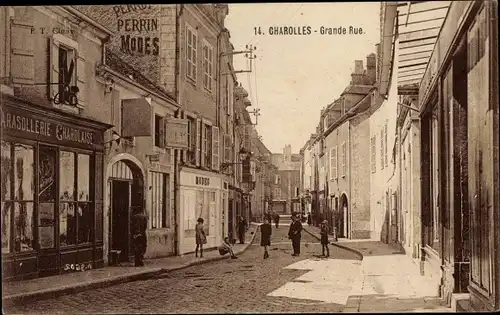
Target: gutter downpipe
(177,152)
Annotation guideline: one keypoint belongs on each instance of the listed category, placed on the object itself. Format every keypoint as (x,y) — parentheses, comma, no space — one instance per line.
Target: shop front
(201,196)
(51,191)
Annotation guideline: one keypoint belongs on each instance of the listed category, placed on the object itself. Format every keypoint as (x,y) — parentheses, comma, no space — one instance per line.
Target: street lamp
(243,155)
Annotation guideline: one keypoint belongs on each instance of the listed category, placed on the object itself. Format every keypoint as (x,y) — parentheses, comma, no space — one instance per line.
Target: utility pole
(249,54)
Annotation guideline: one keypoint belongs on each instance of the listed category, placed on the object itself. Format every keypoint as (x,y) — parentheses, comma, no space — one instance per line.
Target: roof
(358,89)
(124,68)
(419,24)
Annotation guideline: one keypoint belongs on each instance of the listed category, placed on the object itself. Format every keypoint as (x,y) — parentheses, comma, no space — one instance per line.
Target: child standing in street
(325,229)
(265,236)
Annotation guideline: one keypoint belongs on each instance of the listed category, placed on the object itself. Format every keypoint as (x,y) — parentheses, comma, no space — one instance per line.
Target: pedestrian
(294,233)
(201,238)
(309,220)
(226,247)
(139,226)
(276,219)
(269,217)
(325,229)
(265,236)
(241,226)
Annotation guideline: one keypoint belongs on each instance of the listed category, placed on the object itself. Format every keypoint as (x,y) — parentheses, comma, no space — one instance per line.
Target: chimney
(371,68)
(358,66)
(357,75)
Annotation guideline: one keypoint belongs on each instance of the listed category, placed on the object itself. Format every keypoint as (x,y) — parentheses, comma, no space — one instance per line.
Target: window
(208,65)
(333,163)
(344,158)
(191,50)
(75,212)
(227,148)
(67,69)
(277,193)
(198,143)
(159,201)
(382,149)
(373,154)
(159,131)
(207,146)
(18,190)
(215,148)
(277,180)
(342,107)
(385,144)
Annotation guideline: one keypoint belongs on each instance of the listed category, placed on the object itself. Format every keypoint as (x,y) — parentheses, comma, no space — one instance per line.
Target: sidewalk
(51,287)
(391,281)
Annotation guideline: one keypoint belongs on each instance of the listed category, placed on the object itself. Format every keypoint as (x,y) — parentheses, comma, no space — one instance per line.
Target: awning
(419,24)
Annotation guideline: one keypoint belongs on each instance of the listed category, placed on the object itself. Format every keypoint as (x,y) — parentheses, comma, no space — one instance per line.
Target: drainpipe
(349,204)
(177,115)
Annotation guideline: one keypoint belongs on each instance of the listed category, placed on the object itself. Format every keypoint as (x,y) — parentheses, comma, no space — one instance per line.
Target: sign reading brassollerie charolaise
(176,133)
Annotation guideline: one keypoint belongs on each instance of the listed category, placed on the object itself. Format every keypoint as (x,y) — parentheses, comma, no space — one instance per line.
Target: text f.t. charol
(46,129)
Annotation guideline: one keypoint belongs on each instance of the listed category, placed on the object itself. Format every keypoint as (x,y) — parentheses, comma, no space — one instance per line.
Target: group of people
(294,234)
(139,226)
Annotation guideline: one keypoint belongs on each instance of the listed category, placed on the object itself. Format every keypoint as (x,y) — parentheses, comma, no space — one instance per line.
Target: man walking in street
(294,233)
(242,225)
(139,226)
(276,219)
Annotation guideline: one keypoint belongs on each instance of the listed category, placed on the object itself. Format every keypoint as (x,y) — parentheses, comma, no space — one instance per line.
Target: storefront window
(47,174)
(83,177)
(84,223)
(67,224)
(5,227)
(75,212)
(23,224)
(6,171)
(47,196)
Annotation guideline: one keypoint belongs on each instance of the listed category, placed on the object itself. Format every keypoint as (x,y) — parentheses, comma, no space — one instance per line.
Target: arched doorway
(126,192)
(343,215)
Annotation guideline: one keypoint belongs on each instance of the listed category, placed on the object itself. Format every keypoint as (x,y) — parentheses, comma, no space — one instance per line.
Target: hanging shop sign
(176,133)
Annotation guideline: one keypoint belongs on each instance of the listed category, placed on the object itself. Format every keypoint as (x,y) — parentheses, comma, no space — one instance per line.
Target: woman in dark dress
(265,236)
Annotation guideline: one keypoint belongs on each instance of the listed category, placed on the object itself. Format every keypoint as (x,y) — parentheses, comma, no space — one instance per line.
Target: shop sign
(176,133)
(24,124)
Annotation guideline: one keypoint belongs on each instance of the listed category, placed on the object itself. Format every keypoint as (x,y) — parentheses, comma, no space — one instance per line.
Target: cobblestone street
(228,286)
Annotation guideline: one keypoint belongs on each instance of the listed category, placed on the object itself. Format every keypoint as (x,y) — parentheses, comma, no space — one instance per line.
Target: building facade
(53,142)
(286,197)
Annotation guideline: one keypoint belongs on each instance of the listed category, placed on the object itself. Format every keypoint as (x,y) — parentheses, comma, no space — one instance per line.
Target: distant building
(286,197)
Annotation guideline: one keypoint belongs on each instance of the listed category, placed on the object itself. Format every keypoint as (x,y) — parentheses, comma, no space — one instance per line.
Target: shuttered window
(198,143)
(344,158)
(385,145)
(382,150)
(333,163)
(191,51)
(215,148)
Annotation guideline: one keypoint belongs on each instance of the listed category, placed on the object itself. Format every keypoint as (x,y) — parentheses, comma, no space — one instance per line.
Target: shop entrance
(120,204)
(343,222)
(126,187)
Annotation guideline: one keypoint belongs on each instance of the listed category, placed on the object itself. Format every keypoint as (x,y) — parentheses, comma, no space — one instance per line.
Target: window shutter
(22,48)
(80,78)
(163,134)
(382,149)
(215,148)
(54,67)
(385,142)
(203,153)
(198,142)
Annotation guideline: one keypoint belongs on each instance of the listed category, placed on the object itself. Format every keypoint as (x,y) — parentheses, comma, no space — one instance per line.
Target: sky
(295,76)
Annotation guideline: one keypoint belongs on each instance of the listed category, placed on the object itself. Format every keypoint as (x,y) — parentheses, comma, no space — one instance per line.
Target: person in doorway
(276,219)
(242,226)
(294,233)
(201,238)
(325,229)
(265,236)
(139,226)
(309,219)
(226,247)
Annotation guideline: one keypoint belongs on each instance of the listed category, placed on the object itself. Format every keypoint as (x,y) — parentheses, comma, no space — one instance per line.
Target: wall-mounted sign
(24,124)
(203,181)
(176,133)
